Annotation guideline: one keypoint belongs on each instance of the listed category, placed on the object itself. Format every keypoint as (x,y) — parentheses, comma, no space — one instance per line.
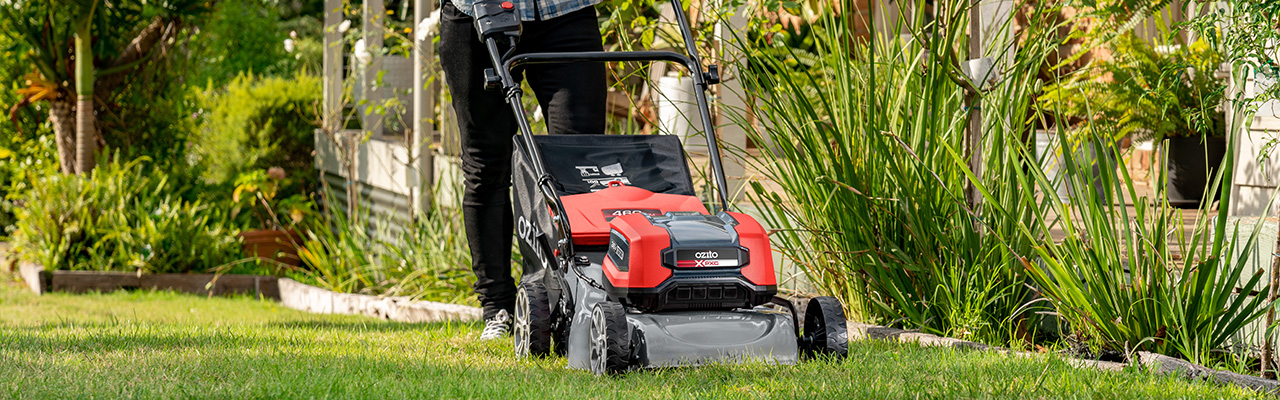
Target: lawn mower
(624,266)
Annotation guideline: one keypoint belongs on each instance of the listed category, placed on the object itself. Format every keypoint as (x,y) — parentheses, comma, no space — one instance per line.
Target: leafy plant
(220,48)
(122,217)
(27,153)
(1114,278)
(872,204)
(258,123)
(1146,91)
(257,191)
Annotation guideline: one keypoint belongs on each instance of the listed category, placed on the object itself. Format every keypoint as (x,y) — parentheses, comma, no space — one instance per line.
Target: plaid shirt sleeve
(535,10)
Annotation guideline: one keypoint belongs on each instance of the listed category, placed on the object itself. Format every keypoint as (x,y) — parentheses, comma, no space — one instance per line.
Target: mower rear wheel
(610,339)
(825,332)
(532,330)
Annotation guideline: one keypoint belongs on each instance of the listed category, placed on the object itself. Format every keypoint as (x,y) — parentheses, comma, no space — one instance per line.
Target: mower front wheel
(825,332)
(610,339)
(532,334)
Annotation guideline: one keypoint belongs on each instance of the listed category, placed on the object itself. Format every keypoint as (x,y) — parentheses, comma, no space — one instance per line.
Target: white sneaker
(496,327)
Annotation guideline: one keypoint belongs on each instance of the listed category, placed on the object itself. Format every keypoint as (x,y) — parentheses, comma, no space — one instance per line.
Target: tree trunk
(86,136)
(86,133)
(63,121)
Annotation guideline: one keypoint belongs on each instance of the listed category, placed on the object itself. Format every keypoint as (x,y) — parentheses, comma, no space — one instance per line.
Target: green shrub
(255,124)
(27,149)
(872,163)
(27,153)
(240,36)
(24,159)
(122,217)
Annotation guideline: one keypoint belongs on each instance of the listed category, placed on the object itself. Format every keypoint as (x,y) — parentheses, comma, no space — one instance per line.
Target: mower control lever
(495,19)
(491,80)
(712,76)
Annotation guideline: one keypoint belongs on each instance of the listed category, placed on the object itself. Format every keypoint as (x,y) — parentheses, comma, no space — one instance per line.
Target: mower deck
(683,338)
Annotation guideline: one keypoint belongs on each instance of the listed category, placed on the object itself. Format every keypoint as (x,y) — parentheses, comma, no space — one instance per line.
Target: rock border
(1157,363)
(300,296)
(36,278)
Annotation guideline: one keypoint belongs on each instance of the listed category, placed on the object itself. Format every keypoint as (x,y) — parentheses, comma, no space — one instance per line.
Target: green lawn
(158,344)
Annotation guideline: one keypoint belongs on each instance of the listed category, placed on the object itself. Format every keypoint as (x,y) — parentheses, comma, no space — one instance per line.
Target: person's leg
(486,125)
(572,96)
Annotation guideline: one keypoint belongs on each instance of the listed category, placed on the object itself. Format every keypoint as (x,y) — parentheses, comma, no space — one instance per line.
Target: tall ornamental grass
(1114,277)
(868,148)
(425,259)
(872,204)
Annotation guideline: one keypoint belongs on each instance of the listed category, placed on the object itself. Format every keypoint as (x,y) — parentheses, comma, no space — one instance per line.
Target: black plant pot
(1192,165)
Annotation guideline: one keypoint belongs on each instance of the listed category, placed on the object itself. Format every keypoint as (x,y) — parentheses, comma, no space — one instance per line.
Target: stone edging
(309,298)
(34,275)
(1150,361)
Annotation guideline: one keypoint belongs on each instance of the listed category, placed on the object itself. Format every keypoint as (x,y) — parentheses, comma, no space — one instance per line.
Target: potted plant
(1167,94)
(256,193)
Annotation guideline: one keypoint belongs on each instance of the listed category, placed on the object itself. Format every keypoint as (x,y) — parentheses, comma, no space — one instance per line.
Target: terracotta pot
(280,246)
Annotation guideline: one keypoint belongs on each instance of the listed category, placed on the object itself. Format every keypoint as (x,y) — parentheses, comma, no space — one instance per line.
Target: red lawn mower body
(666,252)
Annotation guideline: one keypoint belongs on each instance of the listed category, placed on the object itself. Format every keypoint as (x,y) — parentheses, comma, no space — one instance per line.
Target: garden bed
(41,281)
(289,293)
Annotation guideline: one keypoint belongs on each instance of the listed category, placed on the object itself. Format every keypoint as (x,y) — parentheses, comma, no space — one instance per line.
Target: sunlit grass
(159,344)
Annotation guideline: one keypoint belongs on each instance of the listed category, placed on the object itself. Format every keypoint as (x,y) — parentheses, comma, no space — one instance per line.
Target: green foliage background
(122,217)
(258,123)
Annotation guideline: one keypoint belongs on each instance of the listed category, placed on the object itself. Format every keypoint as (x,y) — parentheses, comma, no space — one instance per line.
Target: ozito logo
(711,258)
(612,213)
(527,232)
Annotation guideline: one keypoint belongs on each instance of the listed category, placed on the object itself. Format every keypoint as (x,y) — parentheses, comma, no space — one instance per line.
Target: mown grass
(159,344)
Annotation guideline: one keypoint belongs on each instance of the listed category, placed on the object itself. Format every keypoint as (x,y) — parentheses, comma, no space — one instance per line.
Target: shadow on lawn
(107,336)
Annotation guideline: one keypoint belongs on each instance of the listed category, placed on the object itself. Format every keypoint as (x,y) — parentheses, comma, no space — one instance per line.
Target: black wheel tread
(539,320)
(825,328)
(617,344)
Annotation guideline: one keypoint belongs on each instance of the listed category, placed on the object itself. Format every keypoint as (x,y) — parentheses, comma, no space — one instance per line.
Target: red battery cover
(590,213)
(644,269)
(755,239)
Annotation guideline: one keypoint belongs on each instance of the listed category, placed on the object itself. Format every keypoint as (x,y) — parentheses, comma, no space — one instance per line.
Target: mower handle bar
(599,56)
(505,62)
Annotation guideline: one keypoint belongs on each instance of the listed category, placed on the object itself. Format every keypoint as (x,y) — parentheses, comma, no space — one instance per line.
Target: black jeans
(573,102)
